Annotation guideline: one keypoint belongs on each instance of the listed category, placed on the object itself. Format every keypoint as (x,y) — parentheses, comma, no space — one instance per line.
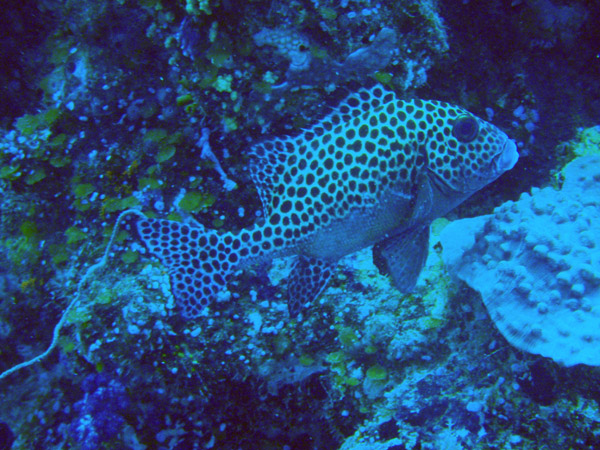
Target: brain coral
(536,263)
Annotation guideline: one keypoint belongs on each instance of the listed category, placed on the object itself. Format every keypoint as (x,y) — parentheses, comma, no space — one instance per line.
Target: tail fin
(199,261)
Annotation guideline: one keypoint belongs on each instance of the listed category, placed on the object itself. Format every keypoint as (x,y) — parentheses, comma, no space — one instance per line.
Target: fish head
(465,153)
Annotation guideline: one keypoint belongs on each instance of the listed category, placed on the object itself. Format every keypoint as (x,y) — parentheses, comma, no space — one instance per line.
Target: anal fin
(307,280)
(403,256)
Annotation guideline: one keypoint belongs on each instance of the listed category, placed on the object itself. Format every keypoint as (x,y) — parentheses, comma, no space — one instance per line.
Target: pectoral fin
(403,256)
(307,280)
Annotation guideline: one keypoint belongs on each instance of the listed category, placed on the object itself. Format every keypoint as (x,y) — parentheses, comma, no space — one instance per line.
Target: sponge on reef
(536,263)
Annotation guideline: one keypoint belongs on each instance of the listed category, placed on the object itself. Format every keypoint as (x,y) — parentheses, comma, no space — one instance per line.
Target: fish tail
(199,261)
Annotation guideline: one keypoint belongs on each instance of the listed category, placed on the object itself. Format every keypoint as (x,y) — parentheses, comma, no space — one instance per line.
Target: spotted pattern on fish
(377,170)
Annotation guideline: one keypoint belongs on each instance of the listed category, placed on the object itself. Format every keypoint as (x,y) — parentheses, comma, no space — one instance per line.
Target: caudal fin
(199,261)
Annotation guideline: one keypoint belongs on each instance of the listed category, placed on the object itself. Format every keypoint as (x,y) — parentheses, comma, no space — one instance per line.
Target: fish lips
(509,156)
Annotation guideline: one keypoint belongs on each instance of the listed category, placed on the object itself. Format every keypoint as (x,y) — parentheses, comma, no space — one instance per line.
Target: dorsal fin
(270,159)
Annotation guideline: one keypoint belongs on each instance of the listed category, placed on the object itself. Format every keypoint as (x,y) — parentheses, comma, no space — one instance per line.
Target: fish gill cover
(212,120)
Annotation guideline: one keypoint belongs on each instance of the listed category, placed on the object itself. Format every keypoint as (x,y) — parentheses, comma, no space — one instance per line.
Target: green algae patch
(75,235)
(431,323)
(10,173)
(66,344)
(35,176)
(129,257)
(229,124)
(79,316)
(104,297)
(376,373)
(370,349)
(165,142)
(335,357)
(328,13)
(306,361)
(165,153)
(121,236)
(384,78)
(81,205)
(29,229)
(208,78)
(175,217)
(351,381)
(184,99)
(146,182)
(22,250)
(319,53)
(29,123)
(220,50)
(196,201)
(83,190)
(59,253)
(263,87)
(347,336)
(120,204)
(58,141)
(155,135)
(60,161)
(218,222)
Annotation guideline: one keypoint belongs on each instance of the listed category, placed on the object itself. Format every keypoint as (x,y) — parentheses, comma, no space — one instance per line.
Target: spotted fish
(376,171)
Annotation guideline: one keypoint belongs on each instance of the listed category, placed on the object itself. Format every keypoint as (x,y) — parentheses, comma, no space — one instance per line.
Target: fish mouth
(508,157)
(502,162)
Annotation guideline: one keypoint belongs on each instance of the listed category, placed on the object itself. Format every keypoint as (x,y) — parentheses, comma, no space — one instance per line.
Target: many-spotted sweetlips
(375,171)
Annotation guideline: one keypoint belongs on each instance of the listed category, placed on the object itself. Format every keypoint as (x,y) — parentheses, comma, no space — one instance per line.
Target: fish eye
(465,128)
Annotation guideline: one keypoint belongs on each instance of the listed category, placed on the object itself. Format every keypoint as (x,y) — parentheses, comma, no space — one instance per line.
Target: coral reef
(150,104)
(359,64)
(97,417)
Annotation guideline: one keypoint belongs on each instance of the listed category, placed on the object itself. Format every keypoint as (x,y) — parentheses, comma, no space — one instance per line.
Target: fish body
(376,171)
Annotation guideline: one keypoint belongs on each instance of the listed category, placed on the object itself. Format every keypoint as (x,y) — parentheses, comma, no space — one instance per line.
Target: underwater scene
(300,225)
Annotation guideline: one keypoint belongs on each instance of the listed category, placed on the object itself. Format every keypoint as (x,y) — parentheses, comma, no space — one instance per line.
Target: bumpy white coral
(536,263)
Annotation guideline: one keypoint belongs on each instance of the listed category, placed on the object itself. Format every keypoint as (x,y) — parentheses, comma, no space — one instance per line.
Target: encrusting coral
(537,267)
